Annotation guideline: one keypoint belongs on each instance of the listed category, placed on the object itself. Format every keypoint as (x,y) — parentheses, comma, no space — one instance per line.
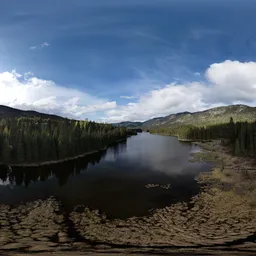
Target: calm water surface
(113,181)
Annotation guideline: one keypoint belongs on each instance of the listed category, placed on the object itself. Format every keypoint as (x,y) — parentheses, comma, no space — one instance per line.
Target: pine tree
(237,148)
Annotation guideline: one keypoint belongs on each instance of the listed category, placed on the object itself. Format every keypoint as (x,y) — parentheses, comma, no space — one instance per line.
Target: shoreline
(180,139)
(221,218)
(52,162)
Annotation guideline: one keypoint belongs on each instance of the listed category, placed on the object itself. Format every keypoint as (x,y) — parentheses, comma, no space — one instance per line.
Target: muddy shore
(221,219)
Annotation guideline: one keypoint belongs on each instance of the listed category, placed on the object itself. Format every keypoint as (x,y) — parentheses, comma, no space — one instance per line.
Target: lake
(117,181)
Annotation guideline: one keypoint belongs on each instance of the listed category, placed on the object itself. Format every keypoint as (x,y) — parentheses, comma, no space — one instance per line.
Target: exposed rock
(63,237)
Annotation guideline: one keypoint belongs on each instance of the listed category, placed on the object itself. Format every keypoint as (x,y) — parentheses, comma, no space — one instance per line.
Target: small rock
(63,237)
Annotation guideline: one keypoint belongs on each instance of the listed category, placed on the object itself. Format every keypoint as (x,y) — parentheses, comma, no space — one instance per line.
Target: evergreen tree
(37,139)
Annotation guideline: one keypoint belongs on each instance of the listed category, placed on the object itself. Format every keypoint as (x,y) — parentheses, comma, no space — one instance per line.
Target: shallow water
(115,181)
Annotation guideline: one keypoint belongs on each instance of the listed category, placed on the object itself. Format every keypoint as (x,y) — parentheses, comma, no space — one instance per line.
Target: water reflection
(24,176)
(114,181)
(113,152)
(158,153)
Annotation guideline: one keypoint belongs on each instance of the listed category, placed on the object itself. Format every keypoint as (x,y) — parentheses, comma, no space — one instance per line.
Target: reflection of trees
(17,176)
(4,172)
(62,171)
(117,148)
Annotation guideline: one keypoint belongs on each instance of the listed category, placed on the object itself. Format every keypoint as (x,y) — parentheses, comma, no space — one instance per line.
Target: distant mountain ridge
(13,112)
(201,118)
(129,124)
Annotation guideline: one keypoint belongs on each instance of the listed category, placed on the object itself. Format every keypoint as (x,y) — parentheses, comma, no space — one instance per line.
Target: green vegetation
(32,137)
(219,115)
(214,116)
(131,125)
(241,136)
(36,139)
(206,157)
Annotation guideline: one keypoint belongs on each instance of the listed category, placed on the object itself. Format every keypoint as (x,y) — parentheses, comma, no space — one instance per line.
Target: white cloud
(31,93)
(45,44)
(128,97)
(170,99)
(229,82)
(233,81)
(197,74)
(35,47)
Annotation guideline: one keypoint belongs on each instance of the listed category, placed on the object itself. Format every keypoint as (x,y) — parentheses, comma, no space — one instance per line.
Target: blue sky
(115,60)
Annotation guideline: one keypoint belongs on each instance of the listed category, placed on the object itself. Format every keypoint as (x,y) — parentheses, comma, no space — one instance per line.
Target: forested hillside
(235,124)
(241,136)
(240,113)
(129,124)
(25,139)
(28,136)
(13,112)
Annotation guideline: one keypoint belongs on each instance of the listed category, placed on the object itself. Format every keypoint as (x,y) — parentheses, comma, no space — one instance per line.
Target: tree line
(240,136)
(26,139)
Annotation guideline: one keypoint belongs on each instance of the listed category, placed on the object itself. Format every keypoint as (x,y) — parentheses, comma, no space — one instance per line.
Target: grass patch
(205,157)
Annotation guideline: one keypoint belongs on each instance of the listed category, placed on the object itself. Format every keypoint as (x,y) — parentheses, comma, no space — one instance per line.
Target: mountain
(13,112)
(207,117)
(165,121)
(128,124)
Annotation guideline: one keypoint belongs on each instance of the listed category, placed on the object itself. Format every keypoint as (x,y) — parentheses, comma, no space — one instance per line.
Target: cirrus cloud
(36,47)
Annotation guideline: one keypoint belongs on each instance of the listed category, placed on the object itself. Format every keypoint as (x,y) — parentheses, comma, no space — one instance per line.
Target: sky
(120,60)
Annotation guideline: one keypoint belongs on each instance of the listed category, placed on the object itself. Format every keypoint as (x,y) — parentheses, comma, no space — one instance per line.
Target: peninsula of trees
(38,139)
(241,136)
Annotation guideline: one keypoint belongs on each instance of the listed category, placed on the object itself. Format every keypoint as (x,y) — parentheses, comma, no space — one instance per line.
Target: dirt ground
(220,220)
